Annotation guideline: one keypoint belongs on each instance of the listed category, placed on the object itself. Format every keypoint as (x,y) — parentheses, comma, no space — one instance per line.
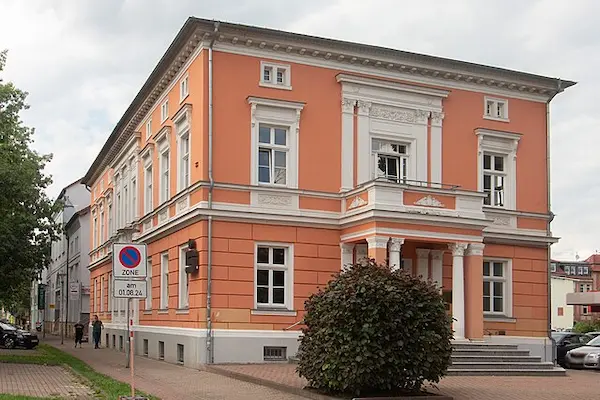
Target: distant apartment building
(72,243)
(285,157)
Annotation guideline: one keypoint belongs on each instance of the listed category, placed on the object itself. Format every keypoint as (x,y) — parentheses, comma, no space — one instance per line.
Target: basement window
(161,350)
(180,354)
(271,353)
(146,347)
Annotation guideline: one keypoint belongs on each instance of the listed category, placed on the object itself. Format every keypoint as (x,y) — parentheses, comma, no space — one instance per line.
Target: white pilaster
(458,288)
(423,263)
(362,253)
(378,242)
(347,166)
(395,250)
(437,257)
(347,253)
(363,145)
(436,147)
(475,249)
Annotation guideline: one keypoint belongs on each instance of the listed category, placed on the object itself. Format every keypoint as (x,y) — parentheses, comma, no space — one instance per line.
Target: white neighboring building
(563,315)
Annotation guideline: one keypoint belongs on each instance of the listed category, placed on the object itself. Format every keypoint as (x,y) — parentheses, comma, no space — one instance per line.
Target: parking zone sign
(129,261)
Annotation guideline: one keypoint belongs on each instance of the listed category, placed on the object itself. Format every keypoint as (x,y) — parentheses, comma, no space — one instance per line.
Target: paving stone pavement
(41,381)
(171,382)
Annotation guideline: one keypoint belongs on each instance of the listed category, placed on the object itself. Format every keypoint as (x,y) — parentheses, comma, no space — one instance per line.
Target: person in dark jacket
(79,333)
(96,331)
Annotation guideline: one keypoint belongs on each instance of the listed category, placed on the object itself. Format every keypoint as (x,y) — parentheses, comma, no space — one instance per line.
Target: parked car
(566,341)
(11,337)
(593,334)
(587,356)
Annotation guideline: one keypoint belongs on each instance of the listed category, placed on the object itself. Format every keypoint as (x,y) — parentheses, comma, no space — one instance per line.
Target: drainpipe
(559,89)
(210,357)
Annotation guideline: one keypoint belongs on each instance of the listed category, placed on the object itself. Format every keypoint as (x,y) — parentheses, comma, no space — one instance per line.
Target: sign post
(129,273)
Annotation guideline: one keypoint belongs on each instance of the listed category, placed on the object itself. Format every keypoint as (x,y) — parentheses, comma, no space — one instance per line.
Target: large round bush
(374,330)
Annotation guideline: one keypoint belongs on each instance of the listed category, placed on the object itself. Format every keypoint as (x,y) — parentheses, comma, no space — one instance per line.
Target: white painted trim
(458,289)
(201,332)
(284,313)
(347,145)
(496,100)
(164,111)
(508,287)
(184,78)
(286,85)
(382,73)
(182,275)
(163,303)
(289,273)
(406,233)
(378,83)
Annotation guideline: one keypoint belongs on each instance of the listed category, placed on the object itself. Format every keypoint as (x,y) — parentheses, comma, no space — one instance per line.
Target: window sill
(182,311)
(274,86)
(147,312)
(499,318)
(496,119)
(163,311)
(274,311)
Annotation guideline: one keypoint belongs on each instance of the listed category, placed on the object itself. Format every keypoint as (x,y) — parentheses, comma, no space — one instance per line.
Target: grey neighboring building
(74,217)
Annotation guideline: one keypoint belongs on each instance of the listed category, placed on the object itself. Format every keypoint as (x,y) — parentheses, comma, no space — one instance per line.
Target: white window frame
(164,147)
(102,238)
(552,267)
(164,111)
(110,293)
(148,302)
(183,290)
(149,128)
(273,148)
(182,125)
(164,281)
(96,295)
(507,287)
(289,277)
(184,88)
(273,82)
(110,210)
(404,168)
(148,184)
(102,294)
(501,144)
(281,114)
(585,310)
(495,103)
(95,230)
(495,196)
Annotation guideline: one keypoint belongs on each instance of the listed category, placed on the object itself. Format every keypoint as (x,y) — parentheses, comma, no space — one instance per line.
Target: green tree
(26,224)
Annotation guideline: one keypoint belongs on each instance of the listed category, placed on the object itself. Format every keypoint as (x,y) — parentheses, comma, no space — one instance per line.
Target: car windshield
(6,327)
(558,335)
(595,342)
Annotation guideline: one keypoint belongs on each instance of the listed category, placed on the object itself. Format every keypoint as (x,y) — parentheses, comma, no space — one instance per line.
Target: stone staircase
(485,359)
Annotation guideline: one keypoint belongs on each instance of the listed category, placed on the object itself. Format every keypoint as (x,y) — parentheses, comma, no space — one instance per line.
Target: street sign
(74,291)
(129,289)
(41,296)
(129,261)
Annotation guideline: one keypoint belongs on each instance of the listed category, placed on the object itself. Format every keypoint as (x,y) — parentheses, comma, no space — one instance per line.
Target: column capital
(347,248)
(458,249)
(348,105)
(364,107)
(378,242)
(423,253)
(475,249)
(437,254)
(396,244)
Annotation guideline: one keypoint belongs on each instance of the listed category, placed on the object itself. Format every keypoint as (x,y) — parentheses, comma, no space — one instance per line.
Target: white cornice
(378,83)
(162,134)
(498,134)
(260,101)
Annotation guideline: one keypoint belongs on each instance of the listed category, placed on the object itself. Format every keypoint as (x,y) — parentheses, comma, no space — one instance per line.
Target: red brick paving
(41,381)
(576,385)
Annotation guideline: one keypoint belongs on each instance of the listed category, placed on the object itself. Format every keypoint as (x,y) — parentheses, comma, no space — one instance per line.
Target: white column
(363,145)
(347,166)
(347,253)
(423,263)
(436,147)
(458,288)
(362,252)
(395,250)
(437,257)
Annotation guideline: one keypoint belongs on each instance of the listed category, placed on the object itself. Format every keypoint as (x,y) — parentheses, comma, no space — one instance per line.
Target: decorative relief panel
(429,201)
(399,114)
(274,200)
(356,202)
(182,204)
(163,215)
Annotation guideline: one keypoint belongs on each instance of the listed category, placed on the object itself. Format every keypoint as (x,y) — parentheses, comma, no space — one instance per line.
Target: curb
(273,385)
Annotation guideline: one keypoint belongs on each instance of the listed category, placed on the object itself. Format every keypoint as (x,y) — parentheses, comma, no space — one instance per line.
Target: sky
(83,61)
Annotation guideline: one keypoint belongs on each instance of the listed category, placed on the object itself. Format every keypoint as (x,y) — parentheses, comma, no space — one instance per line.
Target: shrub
(587,326)
(374,330)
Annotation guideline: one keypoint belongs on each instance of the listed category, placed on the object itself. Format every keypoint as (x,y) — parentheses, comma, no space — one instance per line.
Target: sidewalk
(168,381)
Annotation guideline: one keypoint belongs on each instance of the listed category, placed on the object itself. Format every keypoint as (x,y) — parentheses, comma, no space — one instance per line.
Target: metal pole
(127,357)
(130,328)
(68,285)
(62,293)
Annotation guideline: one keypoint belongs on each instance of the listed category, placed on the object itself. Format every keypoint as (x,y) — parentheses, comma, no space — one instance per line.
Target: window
(391,160)
(180,353)
(102,294)
(567,269)
(496,109)
(148,302)
(96,295)
(164,111)
(161,350)
(271,353)
(586,270)
(164,281)
(95,232)
(496,293)
(110,294)
(493,180)
(273,278)
(183,168)
(145,347)
(275,76)
(164,176)
(101,227)
(585,310)
(149,128)
(133,199)
(110,220)
(553,267)
(497,167)
(184,280)
(184,89)
(272,154)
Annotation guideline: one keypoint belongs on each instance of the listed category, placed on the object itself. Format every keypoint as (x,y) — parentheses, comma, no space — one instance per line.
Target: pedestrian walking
(96,331)
(78,333)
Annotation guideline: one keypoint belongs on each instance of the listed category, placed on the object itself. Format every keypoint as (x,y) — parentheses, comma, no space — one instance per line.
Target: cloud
(84,61)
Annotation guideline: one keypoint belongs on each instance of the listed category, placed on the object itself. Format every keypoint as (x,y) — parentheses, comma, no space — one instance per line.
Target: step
(482,345)
(556,371)
(488,352)
(494,359)
(473,366)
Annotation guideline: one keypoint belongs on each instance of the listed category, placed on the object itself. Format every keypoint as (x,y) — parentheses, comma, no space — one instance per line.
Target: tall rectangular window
(148,194)
(149,285)
(496,287)
(391,160)
(164,111)
(164,281)
(272,154)
(110,220)
(95,232)
(273,276)
(183,139)
(494,176)
(133,199)
(96,294)
(164,176)
(184,280)
(102,233)
(149,128)
(184,88)
(102,294)
(110,293)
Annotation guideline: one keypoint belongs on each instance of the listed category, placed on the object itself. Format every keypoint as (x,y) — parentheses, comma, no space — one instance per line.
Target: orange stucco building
(286,156)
